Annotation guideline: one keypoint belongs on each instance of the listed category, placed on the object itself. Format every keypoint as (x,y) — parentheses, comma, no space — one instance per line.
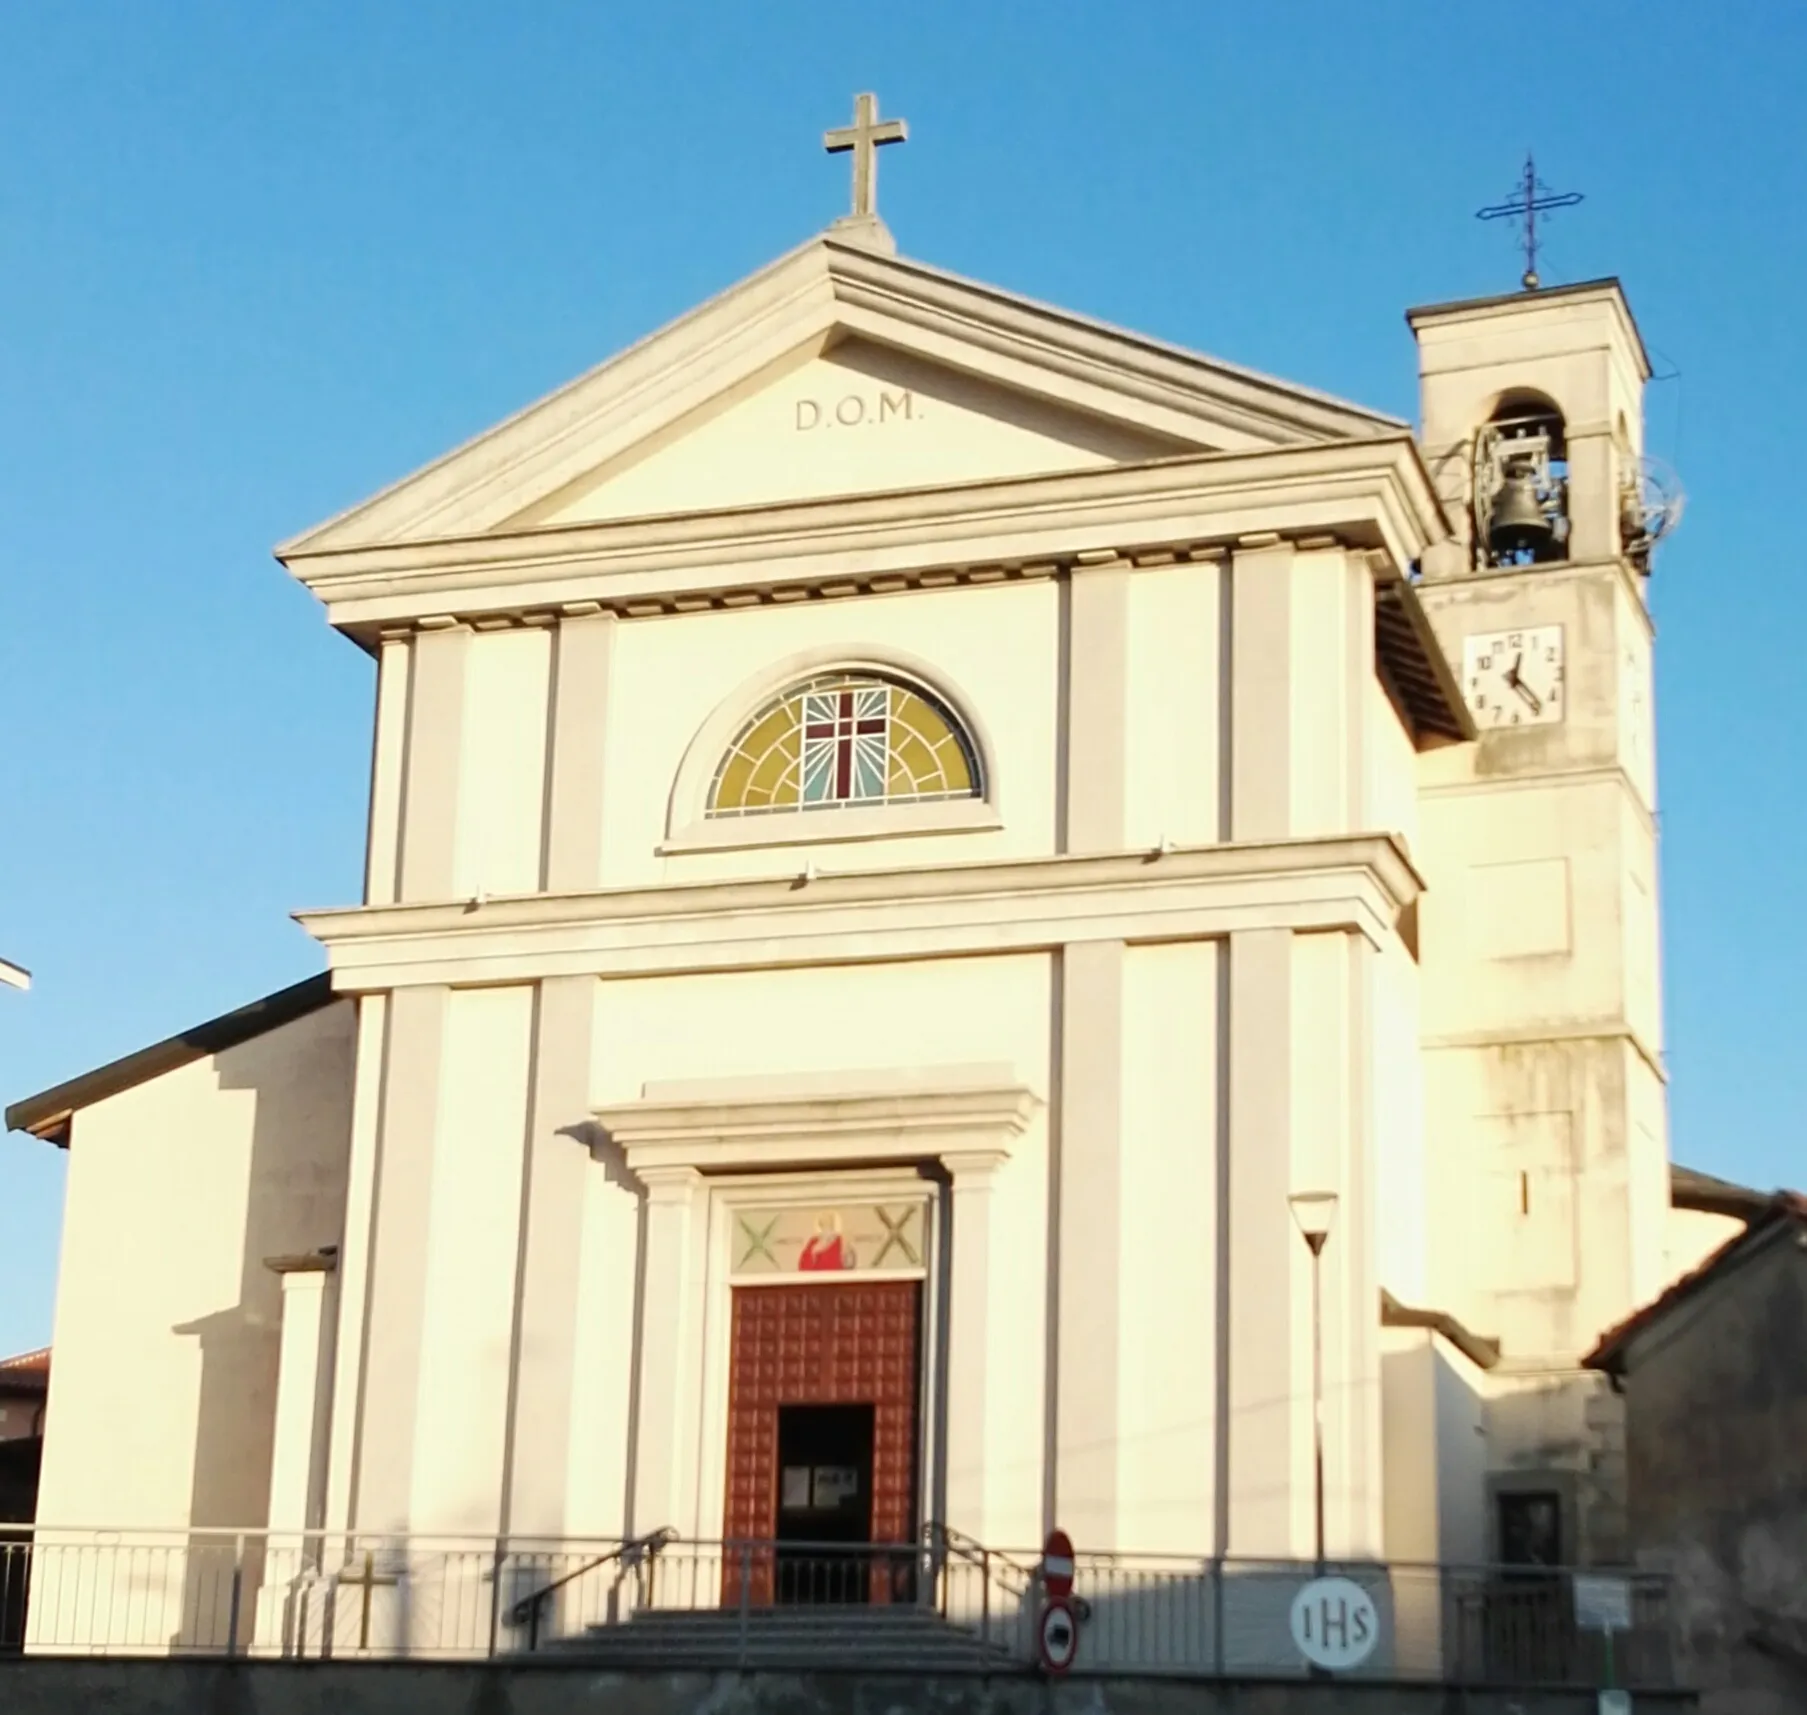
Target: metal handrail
(528,1609)
(976,1553)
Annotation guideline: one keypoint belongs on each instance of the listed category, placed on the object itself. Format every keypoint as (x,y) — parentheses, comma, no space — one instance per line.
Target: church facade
(915,841)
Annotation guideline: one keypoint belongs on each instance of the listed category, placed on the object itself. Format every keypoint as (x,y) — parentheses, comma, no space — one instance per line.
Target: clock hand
(1527,693)
(1512,678)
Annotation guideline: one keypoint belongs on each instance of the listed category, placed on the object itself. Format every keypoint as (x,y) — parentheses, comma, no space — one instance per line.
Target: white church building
(918,844)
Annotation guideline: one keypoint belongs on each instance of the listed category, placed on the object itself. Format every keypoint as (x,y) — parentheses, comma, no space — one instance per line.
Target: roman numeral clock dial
(1514,678)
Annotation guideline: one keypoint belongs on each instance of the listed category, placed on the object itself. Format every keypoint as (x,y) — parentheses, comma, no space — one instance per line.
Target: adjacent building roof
(14,976)
(1709,1195)
(49,1113)
(28,1372)
(1784,1218)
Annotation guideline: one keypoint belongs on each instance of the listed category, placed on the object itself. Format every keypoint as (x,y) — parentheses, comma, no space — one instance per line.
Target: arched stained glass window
(841,739)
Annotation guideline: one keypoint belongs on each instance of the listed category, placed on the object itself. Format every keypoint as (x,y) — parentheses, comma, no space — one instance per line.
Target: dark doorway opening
(824,1502)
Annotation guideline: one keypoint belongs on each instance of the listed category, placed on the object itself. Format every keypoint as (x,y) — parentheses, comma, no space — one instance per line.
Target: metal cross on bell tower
(863,138)
(1532,198)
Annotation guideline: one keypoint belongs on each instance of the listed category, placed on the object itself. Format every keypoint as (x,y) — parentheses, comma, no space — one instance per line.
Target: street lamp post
(1315,1213)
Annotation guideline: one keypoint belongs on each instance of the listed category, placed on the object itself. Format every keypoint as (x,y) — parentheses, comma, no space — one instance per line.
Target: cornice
(1461,313)
(1185,388)
(917,1118)
(1373,493)
(1357,884)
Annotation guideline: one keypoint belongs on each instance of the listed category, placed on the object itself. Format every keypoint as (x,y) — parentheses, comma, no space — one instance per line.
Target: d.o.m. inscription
(858,410)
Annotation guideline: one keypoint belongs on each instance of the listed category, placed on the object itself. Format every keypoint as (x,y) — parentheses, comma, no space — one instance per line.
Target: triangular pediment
(839,370)
(858,418)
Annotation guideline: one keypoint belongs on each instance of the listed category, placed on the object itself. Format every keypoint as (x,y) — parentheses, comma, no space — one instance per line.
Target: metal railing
(625,1558)
(946,1602)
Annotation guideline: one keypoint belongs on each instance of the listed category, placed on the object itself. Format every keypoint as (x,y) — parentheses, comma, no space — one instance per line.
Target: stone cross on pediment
(863,139)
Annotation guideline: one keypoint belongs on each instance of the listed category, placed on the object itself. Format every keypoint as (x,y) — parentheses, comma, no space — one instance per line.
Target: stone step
(898,1615)
(781,1653)
(900,1638)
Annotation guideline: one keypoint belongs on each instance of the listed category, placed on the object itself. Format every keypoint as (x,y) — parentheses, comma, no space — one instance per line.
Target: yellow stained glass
(840,739)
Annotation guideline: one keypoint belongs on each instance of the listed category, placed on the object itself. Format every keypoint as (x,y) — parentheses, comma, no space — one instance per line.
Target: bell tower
(1546,1112)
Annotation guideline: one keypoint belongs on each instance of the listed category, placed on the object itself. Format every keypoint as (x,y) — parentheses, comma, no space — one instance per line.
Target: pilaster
(669,1338)
(298,1447)
(429,815)
(398,1257)
(551,1257)
(303,1395)
(388,758)
(1261,692)
(1264,1467)
(969,1338)
(1090,1239)
(1097,712)
(355,1259)
(583,654)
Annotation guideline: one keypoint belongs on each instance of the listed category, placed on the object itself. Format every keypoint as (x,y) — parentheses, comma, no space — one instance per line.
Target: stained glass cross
(845,745)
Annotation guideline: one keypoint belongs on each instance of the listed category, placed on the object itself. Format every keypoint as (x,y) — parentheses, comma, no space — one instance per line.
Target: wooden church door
(823,1394)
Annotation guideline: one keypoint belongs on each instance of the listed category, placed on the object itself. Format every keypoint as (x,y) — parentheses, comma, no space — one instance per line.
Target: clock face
(1514,678)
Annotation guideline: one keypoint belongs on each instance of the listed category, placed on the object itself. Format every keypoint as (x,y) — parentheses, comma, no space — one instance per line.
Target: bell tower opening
(1520,484)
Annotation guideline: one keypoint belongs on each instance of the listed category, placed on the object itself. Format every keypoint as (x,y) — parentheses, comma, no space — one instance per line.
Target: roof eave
(1707,1194)
(50,1114)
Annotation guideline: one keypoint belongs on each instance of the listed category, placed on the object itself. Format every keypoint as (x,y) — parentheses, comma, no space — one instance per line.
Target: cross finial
(864,137)
(1532,198)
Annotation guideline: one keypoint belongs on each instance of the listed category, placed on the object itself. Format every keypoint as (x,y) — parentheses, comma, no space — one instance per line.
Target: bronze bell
(1519,523)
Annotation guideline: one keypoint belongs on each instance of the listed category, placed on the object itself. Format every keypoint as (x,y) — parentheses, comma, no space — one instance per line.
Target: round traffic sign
(1335,1623)
(1057,1564)
(1059,1635)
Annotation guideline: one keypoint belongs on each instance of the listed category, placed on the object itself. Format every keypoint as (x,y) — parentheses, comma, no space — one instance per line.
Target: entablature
(1353,884)
(1370,494)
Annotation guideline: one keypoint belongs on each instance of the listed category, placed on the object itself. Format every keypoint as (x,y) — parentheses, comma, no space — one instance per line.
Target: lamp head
(1314,1212)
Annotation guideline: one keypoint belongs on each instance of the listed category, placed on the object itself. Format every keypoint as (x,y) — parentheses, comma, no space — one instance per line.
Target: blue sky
(256,262)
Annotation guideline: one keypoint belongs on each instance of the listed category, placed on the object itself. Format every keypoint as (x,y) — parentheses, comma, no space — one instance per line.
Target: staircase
(894,1639)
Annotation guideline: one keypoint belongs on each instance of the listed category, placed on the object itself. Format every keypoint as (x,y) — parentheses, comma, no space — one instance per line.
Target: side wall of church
(168,1322)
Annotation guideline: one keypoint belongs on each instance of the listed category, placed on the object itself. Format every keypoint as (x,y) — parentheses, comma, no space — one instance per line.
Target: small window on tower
(843,739)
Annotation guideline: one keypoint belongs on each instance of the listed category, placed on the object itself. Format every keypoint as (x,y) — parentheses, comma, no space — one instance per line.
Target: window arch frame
(690,827)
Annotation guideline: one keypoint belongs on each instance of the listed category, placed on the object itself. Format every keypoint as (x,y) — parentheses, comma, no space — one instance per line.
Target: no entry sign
(1059,1636)
(1057,1565)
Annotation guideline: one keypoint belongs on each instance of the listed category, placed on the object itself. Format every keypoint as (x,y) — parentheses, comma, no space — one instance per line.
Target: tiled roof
(1784,1208)
(1691,1189)
(26,1370)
